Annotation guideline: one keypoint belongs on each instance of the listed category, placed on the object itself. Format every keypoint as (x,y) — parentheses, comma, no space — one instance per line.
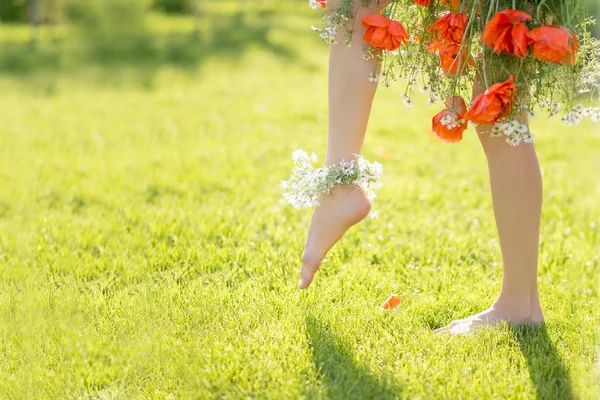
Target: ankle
(343,191)
(523,307)
(346,202)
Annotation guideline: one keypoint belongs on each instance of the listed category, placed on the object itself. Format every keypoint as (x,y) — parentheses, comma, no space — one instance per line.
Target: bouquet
(519,55)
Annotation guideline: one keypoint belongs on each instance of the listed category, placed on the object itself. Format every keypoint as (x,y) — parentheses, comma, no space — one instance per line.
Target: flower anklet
(307,184)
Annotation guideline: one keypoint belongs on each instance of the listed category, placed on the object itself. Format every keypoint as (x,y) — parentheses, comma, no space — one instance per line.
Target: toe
(307,275)
(463,328)
(448,328)
(441,331)
(310,265)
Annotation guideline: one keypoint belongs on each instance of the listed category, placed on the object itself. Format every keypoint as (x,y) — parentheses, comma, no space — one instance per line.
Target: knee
(493,145)
(489,144)
(501,154)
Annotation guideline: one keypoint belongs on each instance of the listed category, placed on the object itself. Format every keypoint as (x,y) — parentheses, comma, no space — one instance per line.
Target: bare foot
(495,314)
(338,211)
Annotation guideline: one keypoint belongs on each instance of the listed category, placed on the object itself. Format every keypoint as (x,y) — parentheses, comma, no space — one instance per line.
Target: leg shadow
(547,371)
(344,376)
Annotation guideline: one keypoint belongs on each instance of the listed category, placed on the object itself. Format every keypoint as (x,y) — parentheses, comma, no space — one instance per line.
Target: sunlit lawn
(145,251)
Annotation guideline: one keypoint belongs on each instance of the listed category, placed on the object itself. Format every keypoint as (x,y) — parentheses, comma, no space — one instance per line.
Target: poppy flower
(383,33)
(506,33)
(450,27)
(553,44)
(448,124)
(391,302)
(450,62)
(494,103)
(424,3)
(322,3)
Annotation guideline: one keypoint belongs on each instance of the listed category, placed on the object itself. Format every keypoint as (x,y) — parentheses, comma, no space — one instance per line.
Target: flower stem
(539,7)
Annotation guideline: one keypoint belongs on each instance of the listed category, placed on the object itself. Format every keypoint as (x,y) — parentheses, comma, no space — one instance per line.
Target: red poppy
(554,44)
(447,124)
(391,302)
(424,3)
(506,32)
(322,3)
(450,62)
(494,103)
(450,27)
(383,33)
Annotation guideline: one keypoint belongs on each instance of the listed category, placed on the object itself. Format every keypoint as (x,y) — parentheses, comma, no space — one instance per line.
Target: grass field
(145,251)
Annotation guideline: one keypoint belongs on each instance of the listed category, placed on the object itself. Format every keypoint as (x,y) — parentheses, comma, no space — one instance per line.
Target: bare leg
(350,98)
(516,184)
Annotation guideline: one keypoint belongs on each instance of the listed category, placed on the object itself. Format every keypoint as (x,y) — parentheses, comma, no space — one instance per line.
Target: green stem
(539,7)
(459,57)
(489,14)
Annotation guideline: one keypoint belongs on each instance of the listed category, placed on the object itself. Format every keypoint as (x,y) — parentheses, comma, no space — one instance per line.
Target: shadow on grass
(217,36)
(547,371)
(336,365)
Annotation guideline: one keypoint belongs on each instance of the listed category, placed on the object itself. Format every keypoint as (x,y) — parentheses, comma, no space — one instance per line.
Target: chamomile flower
(307,184)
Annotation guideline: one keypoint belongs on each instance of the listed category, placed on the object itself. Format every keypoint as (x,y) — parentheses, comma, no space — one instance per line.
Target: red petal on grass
(392,302)
(382,152)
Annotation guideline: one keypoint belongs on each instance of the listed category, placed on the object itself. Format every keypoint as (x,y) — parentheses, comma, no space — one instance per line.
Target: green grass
(145,251)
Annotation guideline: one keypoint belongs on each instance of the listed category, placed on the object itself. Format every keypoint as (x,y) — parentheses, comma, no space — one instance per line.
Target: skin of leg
(350,92)
(516,183)
(516,186)
(350,99)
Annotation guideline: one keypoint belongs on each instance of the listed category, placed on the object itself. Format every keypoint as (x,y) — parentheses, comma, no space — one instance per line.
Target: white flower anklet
(307,183)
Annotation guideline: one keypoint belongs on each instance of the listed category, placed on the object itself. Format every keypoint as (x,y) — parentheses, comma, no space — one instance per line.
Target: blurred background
(54,34)
(39,35)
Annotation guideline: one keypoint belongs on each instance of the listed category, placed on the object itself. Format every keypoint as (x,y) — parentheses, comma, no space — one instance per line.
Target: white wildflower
(328,34)
(447,120)
(307,184)
(553,109)
(374,78)
(314,4)
(572,117)
(519,127)
(594,113)
(452,121)
(528,137)
(496,130)
(514,140)
(370,53)
(514,131)
(407,100)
